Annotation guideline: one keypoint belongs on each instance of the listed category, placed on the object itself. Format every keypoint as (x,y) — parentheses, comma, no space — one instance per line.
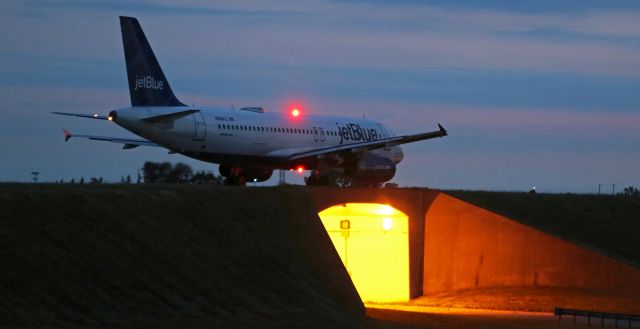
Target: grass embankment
(168,256)
(605,223)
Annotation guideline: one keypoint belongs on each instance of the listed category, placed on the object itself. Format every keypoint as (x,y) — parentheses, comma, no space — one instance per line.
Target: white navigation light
(387,224)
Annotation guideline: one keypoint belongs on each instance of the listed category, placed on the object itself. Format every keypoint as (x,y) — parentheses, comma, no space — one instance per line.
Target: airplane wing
(296,154)
(128,143)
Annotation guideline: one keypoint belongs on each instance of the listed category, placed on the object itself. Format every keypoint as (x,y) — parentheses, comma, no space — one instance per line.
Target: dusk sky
(537,93)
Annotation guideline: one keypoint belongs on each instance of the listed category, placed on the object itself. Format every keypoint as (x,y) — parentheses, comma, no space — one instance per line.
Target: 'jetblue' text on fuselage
(356,133)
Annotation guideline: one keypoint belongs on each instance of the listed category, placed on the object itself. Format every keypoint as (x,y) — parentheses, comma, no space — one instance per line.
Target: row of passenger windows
(274,129)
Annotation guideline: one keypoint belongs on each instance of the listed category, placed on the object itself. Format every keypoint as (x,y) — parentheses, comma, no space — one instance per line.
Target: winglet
(67,135)
(443,131)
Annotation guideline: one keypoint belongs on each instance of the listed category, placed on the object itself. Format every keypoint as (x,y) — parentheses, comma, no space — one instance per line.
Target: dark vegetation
(609,224)
(165,172)
(631,191)
(162,172)
(168,256)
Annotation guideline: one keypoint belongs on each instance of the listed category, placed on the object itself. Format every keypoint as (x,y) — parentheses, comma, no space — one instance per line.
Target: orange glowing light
(300,169)
(373,243)
(295,112)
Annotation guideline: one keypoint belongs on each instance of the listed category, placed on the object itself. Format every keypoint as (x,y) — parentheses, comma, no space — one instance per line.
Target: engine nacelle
(371,168)
(250,174)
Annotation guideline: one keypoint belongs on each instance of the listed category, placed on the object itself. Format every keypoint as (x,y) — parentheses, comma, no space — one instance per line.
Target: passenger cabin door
(318,134)
(200,127)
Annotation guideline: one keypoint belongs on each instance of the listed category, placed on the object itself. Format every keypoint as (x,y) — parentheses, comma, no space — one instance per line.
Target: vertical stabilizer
(147,84)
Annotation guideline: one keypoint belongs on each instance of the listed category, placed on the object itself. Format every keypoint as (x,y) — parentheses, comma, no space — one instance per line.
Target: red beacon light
(295,112)
(299,169)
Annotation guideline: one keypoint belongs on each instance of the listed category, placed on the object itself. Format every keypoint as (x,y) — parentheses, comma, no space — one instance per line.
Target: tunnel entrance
(373,242)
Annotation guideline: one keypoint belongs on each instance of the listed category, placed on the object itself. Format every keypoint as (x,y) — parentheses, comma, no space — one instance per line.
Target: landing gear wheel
(323,180)
(317,180)
(311,180)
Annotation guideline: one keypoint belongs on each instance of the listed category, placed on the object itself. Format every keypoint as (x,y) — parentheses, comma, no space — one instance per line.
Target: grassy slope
(168,256)
(608,224)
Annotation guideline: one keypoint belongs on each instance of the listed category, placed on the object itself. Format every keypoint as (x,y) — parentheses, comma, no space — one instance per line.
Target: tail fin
(147,84)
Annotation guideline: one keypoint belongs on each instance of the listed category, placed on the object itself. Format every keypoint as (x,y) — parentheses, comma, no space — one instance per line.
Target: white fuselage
(236,135)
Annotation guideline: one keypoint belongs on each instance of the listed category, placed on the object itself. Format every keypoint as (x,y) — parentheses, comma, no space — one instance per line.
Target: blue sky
(538,93)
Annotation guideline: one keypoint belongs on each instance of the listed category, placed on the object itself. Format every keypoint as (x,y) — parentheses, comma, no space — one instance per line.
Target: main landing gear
(239,176)
(316,180)
(329,178)
(235,181)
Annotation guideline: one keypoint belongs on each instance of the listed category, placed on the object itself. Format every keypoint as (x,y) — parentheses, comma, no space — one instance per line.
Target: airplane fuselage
(237,136)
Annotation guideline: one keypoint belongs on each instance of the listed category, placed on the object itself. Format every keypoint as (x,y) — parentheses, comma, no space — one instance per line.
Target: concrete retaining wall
(469,247)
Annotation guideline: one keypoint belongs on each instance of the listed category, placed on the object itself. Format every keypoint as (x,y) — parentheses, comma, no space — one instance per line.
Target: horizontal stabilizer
(67,135)
(80,115)
(128,143)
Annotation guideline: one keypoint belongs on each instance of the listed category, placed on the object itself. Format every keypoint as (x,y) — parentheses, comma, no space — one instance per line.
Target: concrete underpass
(454,245)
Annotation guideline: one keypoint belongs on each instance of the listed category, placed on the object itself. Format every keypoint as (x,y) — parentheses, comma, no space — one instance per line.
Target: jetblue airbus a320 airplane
(248,143)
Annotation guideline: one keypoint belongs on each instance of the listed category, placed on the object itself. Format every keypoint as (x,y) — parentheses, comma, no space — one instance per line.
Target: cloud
(353,35)
(543,121)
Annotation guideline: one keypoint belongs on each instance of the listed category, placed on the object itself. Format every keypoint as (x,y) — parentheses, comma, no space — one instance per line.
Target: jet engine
(371,169)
